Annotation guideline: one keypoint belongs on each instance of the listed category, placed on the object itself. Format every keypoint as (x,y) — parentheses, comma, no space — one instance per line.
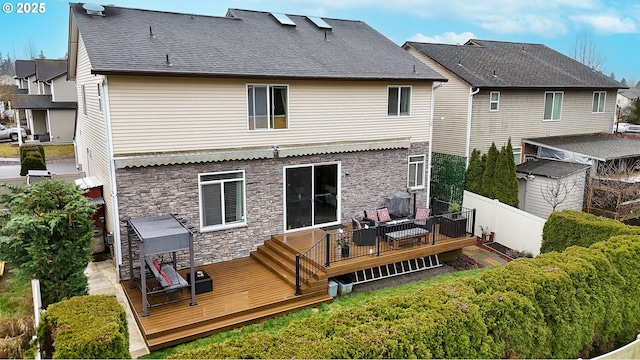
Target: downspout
(433,101)
(117,247)
(469,108)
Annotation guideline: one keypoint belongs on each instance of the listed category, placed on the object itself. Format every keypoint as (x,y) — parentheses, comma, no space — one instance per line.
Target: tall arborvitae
(489,170)
(474,172)
(504,178)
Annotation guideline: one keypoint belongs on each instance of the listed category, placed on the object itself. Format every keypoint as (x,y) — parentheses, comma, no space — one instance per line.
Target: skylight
(283,19)
(319,22)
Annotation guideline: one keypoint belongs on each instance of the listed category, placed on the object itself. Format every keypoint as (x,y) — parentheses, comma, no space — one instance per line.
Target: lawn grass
(15,295)
(278,323)
(51,151)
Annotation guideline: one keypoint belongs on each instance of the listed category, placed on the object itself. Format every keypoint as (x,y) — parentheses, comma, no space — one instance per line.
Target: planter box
(453,227)
(204,283)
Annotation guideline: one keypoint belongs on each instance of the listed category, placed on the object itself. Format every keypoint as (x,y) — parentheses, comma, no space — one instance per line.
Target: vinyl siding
(534,202)
(451,103)
(91,143)
(62,123)
(64,90)
(520,116)
(181,114)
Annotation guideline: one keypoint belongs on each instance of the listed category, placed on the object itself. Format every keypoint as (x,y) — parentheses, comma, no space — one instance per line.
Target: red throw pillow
(155,263)
(166,278)
(383,215)
(356,224)
(422,214)
(371,214)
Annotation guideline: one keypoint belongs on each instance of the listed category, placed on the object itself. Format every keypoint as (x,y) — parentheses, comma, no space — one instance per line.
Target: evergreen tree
(489,170)
(474,172)
(504,177)
(632,112)
(41,56)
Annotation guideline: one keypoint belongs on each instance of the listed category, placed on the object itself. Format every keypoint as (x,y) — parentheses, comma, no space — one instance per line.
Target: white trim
(467,149)
(604,103)
(399,115)
(100,94)
(208,228)
(49,129)
(431,115)
(83,96)
(491,102)
(338,195)
(424,165)
(269,88)
(552,105)
(53,95)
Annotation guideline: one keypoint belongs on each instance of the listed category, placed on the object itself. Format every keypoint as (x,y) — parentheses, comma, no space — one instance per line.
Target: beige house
(246,125)
(46,99)
(501,90)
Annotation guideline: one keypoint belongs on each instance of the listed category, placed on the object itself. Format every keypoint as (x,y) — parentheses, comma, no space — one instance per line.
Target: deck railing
(311,261)
(384,237)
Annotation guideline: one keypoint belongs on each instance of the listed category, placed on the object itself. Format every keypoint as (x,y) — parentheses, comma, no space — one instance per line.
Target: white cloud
(449,37)
(607,24)
(547,26)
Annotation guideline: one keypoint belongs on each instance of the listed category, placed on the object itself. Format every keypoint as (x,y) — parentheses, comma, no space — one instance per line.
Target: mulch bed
(507,251)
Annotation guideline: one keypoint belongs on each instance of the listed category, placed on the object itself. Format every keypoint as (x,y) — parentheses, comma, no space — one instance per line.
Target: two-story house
(49,105)
(246,125)
(498,90)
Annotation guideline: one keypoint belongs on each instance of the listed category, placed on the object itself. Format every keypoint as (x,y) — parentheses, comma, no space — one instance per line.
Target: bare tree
(555,193)
(584,50)
(30,49)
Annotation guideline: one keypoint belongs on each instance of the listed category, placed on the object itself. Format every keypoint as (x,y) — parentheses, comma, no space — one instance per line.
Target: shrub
(505,183)
(488,185)
(32,162)
(566,228)
(473,181)
(48,237)
(85,327)
(26,150)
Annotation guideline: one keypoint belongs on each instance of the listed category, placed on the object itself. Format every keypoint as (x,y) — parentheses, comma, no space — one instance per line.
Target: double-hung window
(100,97)
(552,105)
(416,171)
(599,98)
(494,101)
(267,106)
(84,99)
(222,200)
(399,101)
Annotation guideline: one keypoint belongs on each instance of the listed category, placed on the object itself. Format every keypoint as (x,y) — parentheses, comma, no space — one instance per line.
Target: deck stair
(396,269)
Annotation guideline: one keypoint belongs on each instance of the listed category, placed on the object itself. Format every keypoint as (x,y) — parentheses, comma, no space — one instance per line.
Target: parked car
(11,133)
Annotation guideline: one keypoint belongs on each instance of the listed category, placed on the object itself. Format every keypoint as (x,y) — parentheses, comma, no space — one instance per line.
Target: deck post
(473,222)
(327,254)
(433,230)
(298,292)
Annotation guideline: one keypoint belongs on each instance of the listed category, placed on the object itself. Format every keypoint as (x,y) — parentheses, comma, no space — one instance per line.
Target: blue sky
(613,26)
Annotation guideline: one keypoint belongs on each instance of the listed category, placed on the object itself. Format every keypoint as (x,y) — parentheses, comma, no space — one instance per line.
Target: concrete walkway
(103,281)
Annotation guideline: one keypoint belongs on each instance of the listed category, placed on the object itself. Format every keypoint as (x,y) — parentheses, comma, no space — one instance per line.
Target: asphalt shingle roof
(549,168)
(631,93)
(41,102)
(47,69)
(244,43)
(497,64)
(598,146)
(25,68)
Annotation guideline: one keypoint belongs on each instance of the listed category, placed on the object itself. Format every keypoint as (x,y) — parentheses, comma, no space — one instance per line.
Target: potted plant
(453,209)
(344,241)
(486,235)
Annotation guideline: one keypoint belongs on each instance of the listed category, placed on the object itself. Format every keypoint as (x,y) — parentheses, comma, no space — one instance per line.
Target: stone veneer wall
(160,190)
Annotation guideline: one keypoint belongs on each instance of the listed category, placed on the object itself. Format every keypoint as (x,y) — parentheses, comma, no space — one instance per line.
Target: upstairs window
(494,101)
(100,97)
(552,105)
(399,101)
(599,98)
(267,106)
(84,99)
(416,171)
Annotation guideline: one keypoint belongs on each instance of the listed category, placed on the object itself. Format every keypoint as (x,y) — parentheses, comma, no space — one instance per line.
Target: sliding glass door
(311,195)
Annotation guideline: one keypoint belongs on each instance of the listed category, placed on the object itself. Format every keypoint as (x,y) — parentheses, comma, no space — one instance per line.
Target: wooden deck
(258,287)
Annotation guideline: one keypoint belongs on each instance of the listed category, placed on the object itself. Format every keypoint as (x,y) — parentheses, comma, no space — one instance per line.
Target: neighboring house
(50,103)
(548,185)
(246,125)
(625,98)
(501,90)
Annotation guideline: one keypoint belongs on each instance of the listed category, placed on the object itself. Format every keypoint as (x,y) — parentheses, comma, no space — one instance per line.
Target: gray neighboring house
(548,185)
(499,90)
(48,109)
(246,125)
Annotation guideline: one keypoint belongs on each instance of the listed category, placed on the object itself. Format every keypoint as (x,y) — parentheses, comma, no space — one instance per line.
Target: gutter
(469,108)
(433,101)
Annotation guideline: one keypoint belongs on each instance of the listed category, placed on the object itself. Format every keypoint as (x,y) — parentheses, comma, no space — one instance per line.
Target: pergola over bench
(158,235)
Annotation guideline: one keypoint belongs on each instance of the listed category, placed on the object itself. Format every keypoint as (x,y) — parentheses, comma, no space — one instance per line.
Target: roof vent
(93,9)
(283,19)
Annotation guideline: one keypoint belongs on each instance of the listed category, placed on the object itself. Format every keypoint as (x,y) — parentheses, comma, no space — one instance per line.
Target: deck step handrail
(311,261)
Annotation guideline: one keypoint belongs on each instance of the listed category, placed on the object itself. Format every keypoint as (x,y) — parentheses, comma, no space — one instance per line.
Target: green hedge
(26,150)
(566,228)
(85,327)
(577,303)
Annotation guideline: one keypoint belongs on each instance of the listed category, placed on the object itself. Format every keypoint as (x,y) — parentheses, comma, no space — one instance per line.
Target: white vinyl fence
(513,227)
